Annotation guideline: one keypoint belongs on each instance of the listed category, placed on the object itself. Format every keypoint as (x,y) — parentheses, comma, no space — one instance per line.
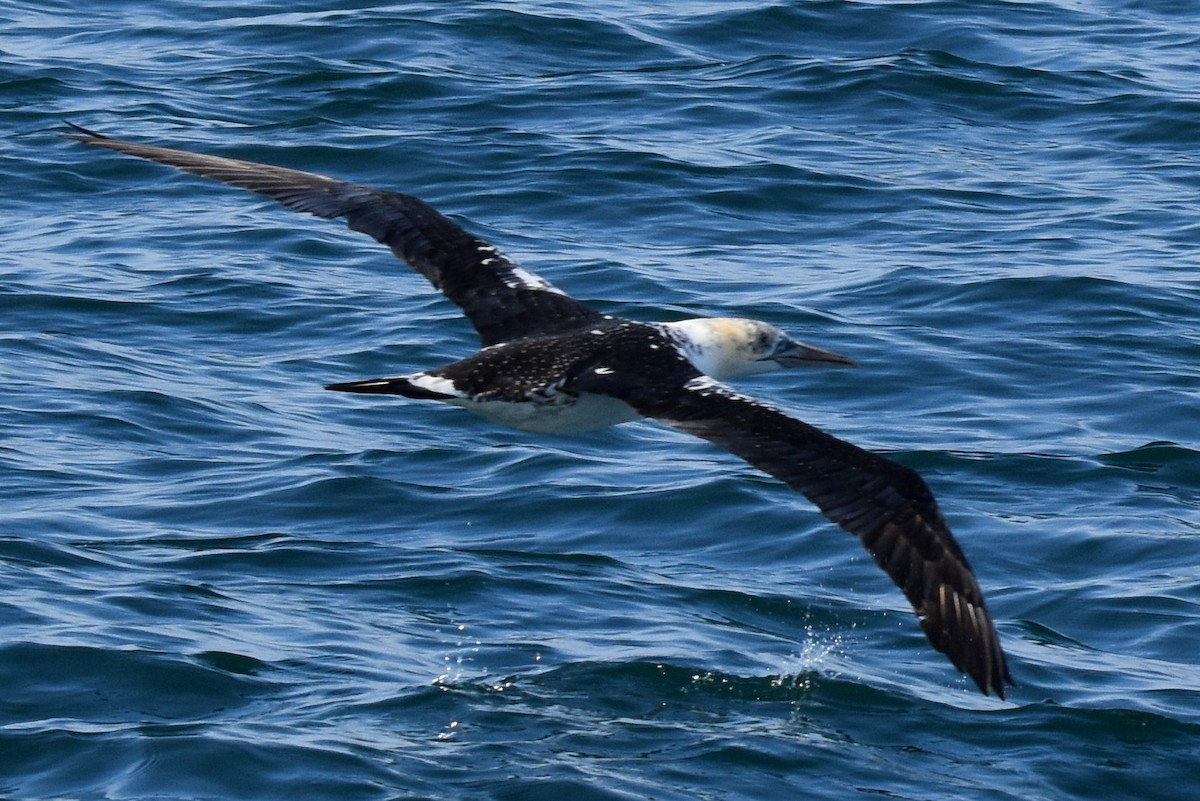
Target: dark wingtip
(84,134)
(994,678)
(999,687)
(1005,679)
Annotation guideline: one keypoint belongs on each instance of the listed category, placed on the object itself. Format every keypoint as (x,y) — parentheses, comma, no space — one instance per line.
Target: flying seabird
(550,364)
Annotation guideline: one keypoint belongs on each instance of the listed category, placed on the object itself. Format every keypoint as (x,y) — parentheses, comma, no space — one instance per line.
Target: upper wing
(502,300)
(885,504)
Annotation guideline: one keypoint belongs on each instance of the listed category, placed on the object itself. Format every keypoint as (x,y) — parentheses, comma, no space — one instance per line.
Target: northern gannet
(550,364)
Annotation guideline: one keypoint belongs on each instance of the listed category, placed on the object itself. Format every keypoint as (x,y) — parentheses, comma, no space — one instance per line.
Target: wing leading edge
(502,300)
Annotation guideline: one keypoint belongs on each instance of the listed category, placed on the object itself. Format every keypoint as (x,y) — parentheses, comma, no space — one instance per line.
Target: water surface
(225,583)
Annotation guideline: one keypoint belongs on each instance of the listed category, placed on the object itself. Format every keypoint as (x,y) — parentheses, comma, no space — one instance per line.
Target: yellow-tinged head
(731,347)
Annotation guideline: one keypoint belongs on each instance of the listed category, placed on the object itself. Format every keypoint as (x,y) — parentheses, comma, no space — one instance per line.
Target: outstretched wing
(502,300)
(885,504)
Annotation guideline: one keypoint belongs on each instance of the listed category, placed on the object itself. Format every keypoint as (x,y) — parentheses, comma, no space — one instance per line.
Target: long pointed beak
(797,354)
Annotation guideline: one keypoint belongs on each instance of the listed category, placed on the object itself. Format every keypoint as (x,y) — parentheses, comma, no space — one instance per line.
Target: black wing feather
(885,504)
(501,300)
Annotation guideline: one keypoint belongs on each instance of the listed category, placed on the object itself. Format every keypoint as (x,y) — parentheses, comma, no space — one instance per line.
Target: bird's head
(731,347)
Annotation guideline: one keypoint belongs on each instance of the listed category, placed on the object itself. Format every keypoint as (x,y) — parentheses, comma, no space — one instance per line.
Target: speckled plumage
(551,364)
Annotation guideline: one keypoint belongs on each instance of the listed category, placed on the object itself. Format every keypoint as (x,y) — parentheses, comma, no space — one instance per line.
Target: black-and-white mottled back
(550,364)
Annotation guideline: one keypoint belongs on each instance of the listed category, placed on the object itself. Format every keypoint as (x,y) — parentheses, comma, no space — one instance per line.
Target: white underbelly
(560,415)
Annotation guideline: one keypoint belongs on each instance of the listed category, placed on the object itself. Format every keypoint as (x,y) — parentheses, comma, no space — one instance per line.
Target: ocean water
(222,582)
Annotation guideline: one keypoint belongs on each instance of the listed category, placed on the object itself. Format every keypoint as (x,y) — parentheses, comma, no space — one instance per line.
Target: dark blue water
(222,582)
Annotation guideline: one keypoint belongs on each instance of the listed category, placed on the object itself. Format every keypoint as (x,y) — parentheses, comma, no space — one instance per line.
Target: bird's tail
(390,386)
